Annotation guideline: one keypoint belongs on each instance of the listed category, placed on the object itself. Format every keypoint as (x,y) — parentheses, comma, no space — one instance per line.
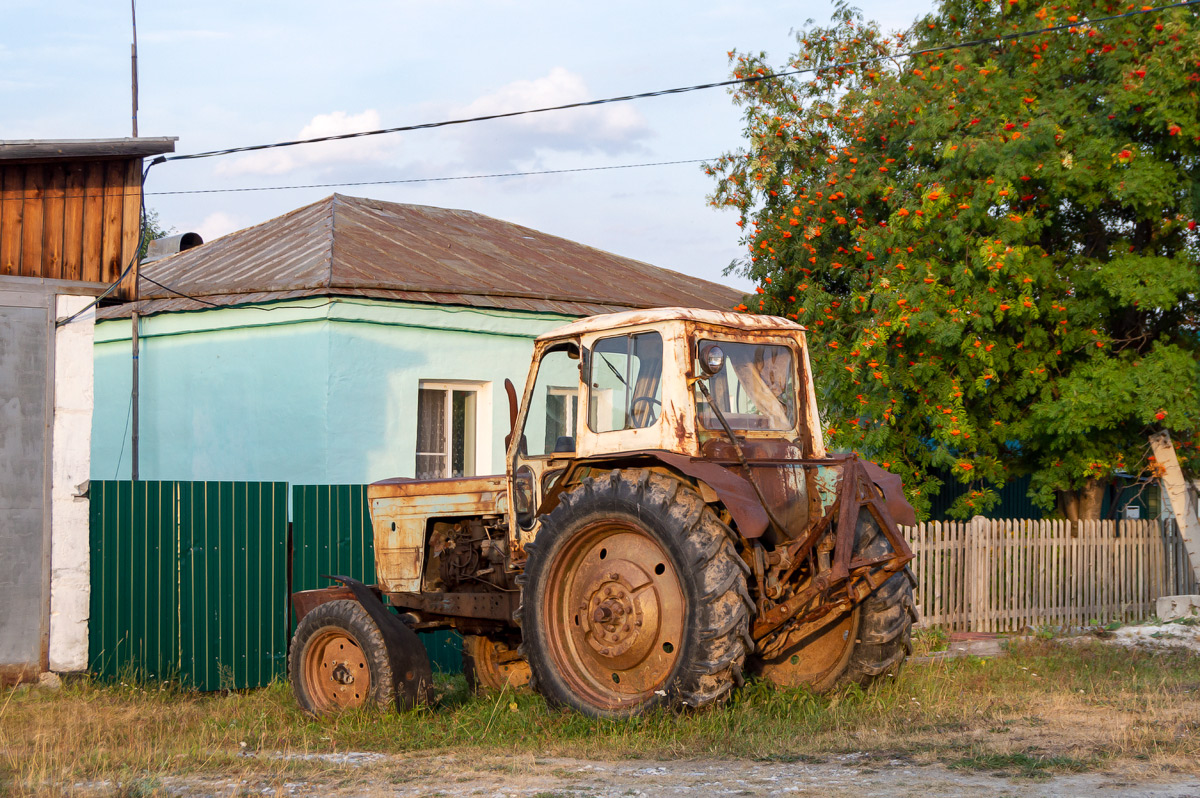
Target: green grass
(929,640)
(1042,708)
(1023,764)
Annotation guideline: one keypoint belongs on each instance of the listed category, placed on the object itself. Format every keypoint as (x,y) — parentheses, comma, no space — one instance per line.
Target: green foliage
(154,230)
(929,639)
(995,247)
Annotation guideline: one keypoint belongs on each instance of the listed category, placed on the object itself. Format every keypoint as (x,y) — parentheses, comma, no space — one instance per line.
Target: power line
(430,179)
(148,278)
(685,89)
(132,261)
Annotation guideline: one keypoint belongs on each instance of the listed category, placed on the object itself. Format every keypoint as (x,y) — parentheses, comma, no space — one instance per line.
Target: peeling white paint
(70,583)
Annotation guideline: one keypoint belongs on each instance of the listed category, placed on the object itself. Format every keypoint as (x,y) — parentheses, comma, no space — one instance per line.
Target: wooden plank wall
(70,220)
(998,575)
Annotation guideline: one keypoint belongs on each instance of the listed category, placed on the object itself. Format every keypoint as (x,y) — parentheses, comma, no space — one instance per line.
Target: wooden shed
(69,228)
(71,210)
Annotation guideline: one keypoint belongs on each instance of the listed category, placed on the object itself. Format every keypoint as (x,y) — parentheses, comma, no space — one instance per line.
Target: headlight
(712,359)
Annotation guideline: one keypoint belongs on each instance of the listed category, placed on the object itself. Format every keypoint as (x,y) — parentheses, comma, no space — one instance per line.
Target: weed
(1023,764)
(138,787)
(1047,632)
(926,641)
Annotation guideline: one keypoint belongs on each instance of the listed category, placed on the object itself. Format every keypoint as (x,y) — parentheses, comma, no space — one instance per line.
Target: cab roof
(610,321)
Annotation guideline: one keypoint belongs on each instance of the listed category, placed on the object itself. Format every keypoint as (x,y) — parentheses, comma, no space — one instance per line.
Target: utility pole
(134,399)
(133,50)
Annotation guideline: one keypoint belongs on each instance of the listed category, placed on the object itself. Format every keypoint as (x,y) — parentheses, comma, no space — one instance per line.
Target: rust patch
(18,674)
(305,601)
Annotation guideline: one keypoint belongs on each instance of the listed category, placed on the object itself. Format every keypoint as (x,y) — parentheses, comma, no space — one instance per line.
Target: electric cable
(176,292)
(1000,38)
(430,179)
(132,261)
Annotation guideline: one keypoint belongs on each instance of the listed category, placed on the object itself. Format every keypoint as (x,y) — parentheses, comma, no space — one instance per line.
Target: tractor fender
(410,661)
(735,492)
(893,493)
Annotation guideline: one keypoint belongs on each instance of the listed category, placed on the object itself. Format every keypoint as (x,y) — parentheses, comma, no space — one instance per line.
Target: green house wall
(306,392)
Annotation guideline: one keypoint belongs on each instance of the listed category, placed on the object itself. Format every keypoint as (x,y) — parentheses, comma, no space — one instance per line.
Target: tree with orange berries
(993,246)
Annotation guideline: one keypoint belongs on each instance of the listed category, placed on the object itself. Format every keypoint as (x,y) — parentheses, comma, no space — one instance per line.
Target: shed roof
(84,149)
(347,246)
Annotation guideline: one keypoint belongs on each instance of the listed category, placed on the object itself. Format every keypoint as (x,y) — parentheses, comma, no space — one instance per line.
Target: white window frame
(483,422)
(572,408)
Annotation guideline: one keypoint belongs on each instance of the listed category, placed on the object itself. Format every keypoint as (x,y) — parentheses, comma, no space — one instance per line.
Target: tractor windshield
(755,390)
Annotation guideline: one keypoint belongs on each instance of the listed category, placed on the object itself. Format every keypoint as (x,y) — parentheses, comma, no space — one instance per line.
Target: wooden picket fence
(1002,575)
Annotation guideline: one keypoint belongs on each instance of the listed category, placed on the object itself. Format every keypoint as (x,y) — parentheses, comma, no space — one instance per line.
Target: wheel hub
(619,611)
(342,675)
(616,617)
(336,668)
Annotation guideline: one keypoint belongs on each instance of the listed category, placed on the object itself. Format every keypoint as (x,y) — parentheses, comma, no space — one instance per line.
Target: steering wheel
(637,400)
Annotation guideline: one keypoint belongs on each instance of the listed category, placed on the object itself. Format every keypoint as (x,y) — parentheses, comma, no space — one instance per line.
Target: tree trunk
(1084,504)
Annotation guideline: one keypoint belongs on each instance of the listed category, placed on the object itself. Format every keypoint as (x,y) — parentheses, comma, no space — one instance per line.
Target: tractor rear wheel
(634,597)
(856,647)
(338,660)
(493,665)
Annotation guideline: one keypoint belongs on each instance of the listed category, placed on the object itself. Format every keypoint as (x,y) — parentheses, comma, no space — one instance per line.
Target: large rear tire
(860,646)
(634,597)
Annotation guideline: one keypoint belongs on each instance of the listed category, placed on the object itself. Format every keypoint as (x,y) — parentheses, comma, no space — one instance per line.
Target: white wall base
(1172,608)
(70,555)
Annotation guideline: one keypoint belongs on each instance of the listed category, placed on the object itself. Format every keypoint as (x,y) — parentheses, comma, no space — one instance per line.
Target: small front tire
(338,660)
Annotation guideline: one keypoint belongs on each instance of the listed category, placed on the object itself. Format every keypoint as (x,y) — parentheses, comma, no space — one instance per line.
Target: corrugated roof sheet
(346,246)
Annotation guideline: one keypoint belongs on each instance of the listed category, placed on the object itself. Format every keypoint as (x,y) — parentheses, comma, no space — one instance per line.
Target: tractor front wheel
(492,665)
(338,660)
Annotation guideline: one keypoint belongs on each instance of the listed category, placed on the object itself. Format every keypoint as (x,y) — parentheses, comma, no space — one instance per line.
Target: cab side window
(625,385)
(550,423)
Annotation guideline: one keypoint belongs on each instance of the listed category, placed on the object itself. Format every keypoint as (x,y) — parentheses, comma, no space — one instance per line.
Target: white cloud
(369,149)
(216,225)
(605,128)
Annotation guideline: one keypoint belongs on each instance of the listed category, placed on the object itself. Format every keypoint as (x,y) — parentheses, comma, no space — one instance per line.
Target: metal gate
(26,408)
(189,581)
(192,580)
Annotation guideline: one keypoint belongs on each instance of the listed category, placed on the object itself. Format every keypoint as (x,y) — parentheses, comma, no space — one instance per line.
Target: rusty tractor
(669,522)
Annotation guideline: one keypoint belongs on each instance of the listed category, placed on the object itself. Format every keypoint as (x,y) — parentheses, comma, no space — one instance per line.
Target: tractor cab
(640,384)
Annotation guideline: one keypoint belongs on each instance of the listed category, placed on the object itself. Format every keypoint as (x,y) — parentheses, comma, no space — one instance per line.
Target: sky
(220,74)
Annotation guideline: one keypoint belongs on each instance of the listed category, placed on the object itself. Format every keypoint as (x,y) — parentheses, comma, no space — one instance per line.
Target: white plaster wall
(70,582)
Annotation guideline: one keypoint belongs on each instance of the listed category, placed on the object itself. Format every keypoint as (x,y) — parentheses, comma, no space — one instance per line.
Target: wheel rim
(614,611)
(336,671)
(496,665)
(817,660)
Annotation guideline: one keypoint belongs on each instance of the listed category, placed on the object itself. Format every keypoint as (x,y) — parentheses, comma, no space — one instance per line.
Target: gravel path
(848,776)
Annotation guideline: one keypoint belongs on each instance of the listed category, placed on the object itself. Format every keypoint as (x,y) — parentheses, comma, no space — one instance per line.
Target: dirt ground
(844,776)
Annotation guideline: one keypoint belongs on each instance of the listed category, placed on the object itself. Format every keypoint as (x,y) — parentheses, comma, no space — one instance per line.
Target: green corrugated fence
(331,535)
(135,576)
(189,580)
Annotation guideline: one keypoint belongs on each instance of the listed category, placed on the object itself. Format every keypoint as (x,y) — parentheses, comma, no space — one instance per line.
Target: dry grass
(1045,708)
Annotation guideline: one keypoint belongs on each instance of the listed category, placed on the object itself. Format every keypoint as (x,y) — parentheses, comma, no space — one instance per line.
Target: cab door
(547,427)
